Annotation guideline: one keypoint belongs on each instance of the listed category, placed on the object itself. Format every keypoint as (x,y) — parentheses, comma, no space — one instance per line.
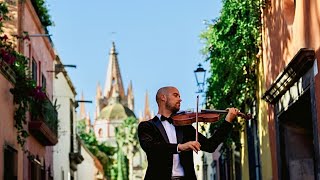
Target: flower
(4,38)
(38,93)
(7,56)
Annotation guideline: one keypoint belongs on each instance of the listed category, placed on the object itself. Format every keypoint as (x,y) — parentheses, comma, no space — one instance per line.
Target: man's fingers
(192,145)
(195,146)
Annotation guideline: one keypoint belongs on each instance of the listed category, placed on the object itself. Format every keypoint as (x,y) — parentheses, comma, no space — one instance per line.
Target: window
(34,70)
(43,173)
(50,176)
(43,81)
(62,174)
(35,168)
(10,163)
(100,133)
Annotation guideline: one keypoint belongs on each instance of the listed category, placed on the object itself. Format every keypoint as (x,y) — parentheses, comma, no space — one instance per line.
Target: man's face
(173,100)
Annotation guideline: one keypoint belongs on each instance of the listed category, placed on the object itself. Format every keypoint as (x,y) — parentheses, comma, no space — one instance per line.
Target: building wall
(244,155)
(8,133)
(24,18)
(108,130)
(63,93)
(287,26)
(41,48)
(42,51)
(87,169)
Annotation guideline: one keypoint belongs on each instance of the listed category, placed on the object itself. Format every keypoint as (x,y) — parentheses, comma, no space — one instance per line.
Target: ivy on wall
(232,43)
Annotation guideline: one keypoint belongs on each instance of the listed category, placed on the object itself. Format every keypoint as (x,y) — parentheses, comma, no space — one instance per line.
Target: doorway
(296,137)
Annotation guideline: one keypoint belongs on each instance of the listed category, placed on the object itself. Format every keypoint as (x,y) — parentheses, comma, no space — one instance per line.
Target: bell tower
(113,83)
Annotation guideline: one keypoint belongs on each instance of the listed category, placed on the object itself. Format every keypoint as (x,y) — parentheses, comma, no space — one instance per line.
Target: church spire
(88,123)
(99,91)
(98,103)
(147,112)
(113,83)
(82,108)
(130,97)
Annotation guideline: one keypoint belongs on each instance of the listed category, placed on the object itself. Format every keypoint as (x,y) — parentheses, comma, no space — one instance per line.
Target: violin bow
(245,116)
(197,118)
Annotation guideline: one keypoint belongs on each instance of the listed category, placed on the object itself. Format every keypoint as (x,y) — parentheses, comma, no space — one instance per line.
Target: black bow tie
(169,119)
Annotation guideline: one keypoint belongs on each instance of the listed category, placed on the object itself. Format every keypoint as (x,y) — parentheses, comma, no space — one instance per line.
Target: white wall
(63,93)
(87,169)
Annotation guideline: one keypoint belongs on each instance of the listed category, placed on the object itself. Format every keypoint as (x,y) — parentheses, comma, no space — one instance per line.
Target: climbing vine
(232,42)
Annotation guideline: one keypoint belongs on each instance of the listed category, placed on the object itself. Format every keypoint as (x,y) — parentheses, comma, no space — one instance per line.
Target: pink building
(36,162)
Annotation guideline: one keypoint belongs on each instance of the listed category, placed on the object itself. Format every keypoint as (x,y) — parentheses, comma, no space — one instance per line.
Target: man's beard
(173,109)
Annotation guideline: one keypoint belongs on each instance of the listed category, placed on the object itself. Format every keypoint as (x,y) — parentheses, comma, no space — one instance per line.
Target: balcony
(44,127)
(7,72)
(75,159)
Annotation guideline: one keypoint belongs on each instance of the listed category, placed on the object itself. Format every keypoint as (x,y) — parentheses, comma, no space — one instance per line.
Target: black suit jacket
(154,141)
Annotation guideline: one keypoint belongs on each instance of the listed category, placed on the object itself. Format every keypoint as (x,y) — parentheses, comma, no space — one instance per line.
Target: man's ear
(163,97)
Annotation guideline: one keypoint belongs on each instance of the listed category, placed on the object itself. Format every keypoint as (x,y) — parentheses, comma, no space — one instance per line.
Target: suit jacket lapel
(159,125)
(179,134)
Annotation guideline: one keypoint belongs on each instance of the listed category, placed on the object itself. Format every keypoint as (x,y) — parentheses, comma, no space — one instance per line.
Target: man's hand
(190,145)
(232,114)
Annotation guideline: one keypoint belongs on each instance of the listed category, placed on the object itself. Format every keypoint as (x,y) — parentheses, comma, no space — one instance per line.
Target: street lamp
(200,74)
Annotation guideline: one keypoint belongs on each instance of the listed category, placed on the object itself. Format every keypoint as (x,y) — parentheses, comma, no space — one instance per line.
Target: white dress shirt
(177,169)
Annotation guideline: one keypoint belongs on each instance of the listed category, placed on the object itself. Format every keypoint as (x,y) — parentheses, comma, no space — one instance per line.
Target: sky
(157,42)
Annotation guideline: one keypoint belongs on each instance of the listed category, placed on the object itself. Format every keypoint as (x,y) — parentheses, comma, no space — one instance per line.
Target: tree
(127,141)
(232,43)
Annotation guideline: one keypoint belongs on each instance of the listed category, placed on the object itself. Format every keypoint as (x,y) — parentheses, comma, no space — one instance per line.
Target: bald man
(168,147)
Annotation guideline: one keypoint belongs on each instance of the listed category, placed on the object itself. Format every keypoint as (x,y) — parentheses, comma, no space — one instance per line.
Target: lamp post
(200,75)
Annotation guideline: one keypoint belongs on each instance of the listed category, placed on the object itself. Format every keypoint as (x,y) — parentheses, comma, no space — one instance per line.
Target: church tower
(113,105)
(113,82)
(84,116)
(147,114)
(130,97)
(98,98)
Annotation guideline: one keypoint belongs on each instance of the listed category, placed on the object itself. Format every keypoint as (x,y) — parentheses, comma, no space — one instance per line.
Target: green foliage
(231,44)
(103,152)
(3,14)
(127,134)
(127,141)
(42,12)
(122,166)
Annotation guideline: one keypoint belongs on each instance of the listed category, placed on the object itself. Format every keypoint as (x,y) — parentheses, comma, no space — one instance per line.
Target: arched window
(100,133)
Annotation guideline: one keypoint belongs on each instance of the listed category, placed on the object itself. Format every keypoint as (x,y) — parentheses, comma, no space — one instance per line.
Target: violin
(183,118)
(187,118)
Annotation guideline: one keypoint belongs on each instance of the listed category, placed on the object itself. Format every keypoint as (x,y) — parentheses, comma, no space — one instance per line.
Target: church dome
(115,111)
